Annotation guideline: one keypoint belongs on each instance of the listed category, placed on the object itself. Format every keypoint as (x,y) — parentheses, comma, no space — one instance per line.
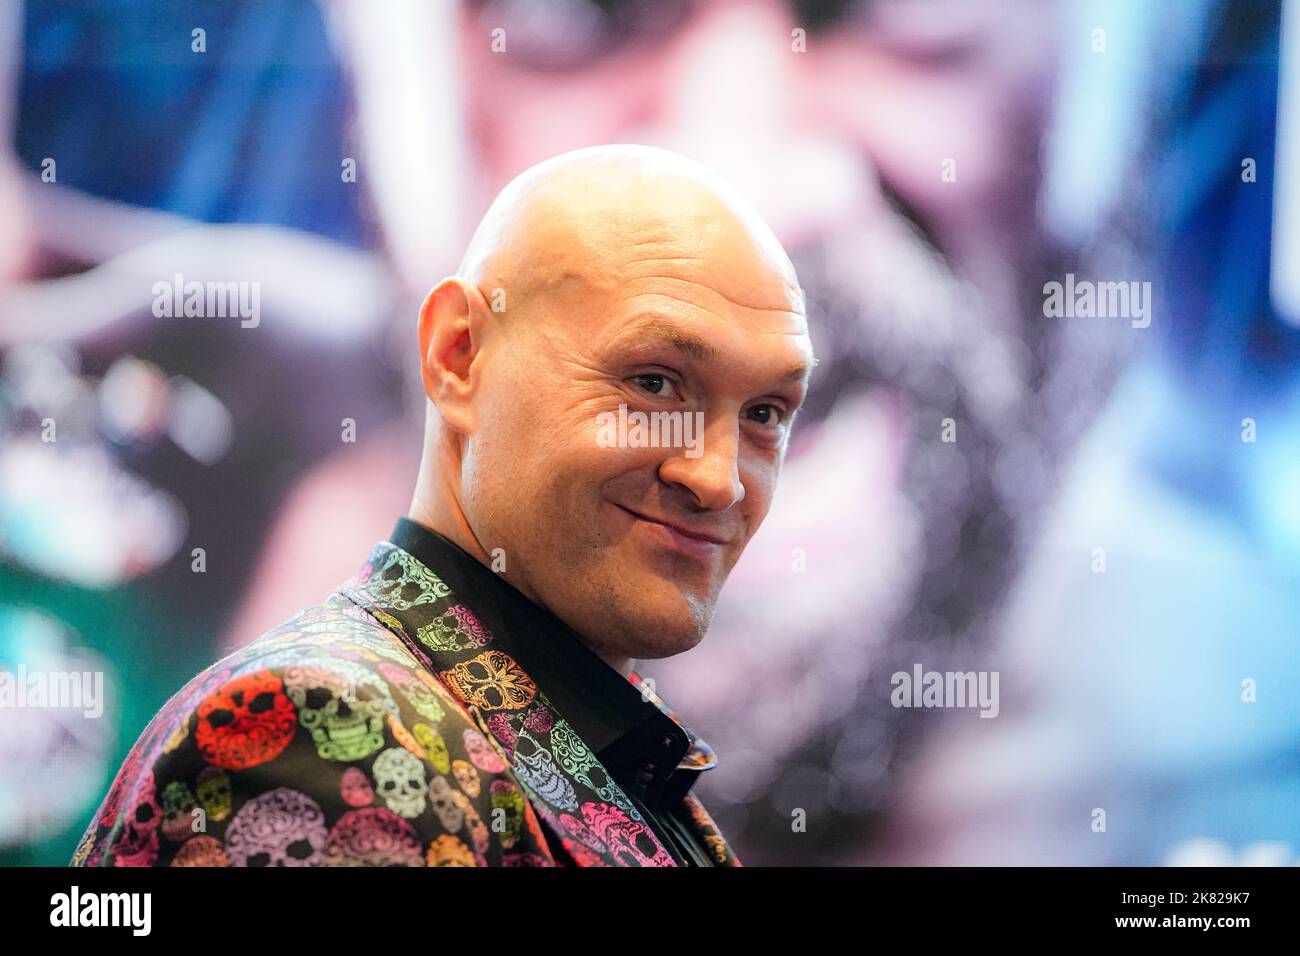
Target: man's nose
(713,476)
(733,92)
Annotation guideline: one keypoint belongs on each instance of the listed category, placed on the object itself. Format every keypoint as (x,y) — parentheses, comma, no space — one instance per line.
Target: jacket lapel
(570,790)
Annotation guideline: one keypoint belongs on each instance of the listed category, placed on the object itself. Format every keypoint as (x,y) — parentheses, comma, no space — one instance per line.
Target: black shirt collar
(648,750)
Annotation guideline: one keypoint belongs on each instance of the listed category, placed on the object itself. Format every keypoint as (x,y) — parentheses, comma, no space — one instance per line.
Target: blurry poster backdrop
(1051,250)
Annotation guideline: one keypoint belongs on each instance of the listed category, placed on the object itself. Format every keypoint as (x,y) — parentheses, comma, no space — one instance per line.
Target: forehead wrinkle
(703,285)
(651,311)
(733,259)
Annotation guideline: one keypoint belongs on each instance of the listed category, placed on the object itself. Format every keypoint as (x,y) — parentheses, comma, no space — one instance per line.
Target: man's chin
(630,610)
(671,628)
(649,629)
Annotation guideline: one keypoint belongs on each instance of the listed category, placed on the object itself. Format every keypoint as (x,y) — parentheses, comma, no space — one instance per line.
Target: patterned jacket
(379,728)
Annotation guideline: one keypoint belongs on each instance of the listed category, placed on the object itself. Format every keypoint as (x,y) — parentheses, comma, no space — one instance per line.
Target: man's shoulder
(338,628)
(328,719)
(336,635)
(331,653)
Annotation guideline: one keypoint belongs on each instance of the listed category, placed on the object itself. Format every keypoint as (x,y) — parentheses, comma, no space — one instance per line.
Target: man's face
(631,545)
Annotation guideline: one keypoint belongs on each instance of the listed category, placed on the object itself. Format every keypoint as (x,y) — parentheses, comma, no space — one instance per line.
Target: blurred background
(1115,529)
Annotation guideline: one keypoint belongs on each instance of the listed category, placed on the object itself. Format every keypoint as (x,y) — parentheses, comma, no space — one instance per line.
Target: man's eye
(655,384)
(766,414)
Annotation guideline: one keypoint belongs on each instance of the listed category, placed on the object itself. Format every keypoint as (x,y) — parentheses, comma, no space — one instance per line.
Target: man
(908,157)
(461,701)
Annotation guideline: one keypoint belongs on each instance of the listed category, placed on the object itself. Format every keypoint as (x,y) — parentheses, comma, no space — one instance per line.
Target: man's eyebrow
(657,331)
(797,373)
(652,331)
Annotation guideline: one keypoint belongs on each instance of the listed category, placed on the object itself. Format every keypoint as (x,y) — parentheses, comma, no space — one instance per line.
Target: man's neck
(450,522)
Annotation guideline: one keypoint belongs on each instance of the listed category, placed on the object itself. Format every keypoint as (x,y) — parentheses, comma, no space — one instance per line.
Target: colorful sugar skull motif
(400,782)
(280,828)
(466,776)
(355,788)
(246,722)
(434,746)
(482,753)
(373,837)
(578,761)
(402,583)
(423,699)
(201,851)
(442,798)
(339,739)
(178,806)
(607,828)
(214,793)
(341,726)
(456,630)
(448,850)
(491,681)
(537,768)
(357,677)
(138,843)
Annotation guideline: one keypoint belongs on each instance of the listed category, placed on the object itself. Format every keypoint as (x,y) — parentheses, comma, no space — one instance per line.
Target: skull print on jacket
(380,728)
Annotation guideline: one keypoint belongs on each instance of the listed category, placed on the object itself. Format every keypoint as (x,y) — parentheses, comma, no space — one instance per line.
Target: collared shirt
(387,725)
(635,735)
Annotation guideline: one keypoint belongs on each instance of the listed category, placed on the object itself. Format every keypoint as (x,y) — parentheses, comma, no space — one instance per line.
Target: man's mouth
(694,542)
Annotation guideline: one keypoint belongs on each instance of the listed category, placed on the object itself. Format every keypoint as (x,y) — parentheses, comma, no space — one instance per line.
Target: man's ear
(451,333)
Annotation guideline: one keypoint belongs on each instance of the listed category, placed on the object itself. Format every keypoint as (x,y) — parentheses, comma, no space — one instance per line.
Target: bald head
(619,283)
(560,220)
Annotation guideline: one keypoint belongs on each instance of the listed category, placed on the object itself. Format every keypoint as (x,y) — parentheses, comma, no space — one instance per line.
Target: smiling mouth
(703,537)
